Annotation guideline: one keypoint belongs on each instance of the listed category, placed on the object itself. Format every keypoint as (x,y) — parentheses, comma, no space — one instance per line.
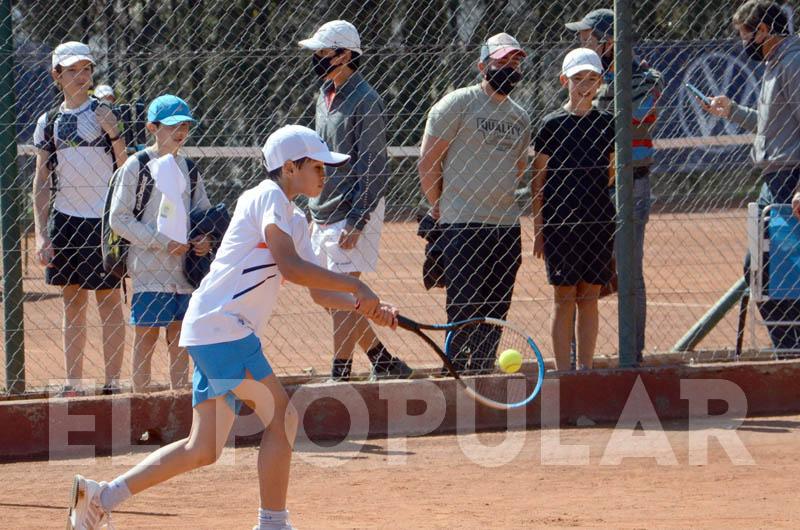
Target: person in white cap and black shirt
(262,246)
(474,155)
(348,214)
(78,147)
(573,211)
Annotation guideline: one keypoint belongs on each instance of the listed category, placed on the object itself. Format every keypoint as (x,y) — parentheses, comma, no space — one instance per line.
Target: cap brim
(578,26)
(69,61)
(508,50)
(569,72)
(329,158)
(313,44)
(175,120)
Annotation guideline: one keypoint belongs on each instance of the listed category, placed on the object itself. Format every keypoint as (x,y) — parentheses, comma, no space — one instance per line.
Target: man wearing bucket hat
(348,214)
(474,154)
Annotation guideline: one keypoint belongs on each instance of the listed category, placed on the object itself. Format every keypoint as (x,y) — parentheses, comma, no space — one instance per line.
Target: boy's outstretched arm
(297,270)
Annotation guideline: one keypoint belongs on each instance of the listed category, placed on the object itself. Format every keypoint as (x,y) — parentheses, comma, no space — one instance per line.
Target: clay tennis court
(431,483)
(690,261)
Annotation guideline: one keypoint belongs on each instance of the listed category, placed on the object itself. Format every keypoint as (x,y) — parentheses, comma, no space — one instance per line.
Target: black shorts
(575,253)
(77,255)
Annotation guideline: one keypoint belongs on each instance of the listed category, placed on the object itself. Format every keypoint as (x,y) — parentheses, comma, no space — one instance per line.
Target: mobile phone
(696,92)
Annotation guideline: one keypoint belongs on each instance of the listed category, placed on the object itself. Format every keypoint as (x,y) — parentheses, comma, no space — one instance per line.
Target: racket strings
(474,348)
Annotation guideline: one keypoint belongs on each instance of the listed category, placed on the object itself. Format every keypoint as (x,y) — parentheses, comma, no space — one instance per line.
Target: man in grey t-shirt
(474,153)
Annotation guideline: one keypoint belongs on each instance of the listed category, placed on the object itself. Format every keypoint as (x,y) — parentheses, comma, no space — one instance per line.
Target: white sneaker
(85,511)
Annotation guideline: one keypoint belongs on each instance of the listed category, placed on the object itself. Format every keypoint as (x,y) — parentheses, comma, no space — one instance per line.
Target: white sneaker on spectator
(85,510)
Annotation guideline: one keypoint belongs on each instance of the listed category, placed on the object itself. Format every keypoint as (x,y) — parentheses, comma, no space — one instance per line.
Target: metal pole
(623,104)
(9,212)
(707,322)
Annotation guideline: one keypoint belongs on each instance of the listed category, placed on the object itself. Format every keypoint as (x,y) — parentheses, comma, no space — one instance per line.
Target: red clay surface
(691,260)
(432,483)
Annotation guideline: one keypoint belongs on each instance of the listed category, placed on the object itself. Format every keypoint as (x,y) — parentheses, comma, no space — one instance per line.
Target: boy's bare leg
(112,320)
(588,323)
(144,343)
(275,454)
(178,357)
(211,423)
(562,323)
(74,331)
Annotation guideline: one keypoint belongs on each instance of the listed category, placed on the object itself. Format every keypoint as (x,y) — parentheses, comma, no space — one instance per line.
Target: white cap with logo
(580,60)
(69,53)
(293,142)
(500,45)
(334,34)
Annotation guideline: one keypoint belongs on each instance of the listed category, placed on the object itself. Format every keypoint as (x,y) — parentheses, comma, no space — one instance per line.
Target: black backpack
(114,246)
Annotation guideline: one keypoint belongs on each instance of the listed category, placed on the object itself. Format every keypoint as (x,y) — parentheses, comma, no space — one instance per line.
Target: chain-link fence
(239,67)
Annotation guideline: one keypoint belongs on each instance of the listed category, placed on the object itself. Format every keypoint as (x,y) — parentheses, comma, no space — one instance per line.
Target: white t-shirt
(239,293)
(83,169)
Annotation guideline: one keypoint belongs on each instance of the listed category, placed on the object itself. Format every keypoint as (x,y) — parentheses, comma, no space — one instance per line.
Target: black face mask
(503,80)
(322,65)
(753,49)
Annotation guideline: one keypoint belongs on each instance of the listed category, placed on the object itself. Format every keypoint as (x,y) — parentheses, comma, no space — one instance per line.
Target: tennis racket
(472,347)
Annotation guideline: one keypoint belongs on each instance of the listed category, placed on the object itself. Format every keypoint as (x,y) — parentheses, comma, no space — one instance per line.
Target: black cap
(601,21)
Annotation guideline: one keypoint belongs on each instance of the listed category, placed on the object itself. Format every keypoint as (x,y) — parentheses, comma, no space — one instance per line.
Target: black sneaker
(110,389)
(394,369)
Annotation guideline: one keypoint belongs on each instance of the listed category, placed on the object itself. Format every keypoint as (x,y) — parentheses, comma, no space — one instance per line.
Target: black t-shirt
(579,147)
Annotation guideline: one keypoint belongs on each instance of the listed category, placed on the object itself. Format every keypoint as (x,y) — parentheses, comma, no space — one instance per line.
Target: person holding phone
(764,30)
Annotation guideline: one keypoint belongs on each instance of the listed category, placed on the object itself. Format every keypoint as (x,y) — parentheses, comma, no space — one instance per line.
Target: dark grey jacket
(355,125)
(776,120)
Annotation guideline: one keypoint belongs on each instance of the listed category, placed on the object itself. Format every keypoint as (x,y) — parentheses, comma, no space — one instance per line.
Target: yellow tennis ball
(509,361)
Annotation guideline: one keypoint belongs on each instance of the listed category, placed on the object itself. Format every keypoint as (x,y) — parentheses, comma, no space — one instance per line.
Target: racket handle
(406,323)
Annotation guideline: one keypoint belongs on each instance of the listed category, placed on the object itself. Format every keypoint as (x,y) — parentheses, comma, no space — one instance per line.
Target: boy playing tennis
(220,330)
(573,212)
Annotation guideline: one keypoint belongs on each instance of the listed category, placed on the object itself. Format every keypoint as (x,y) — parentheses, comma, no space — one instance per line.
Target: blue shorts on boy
(220,328)
(154,310)
(221,367)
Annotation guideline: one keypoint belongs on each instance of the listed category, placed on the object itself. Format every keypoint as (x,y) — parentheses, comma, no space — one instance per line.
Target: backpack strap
(105,139)
(194,174)
(144,186)
(50,144)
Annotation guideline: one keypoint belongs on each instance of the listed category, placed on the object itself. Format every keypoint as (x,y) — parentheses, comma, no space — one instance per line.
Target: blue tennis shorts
(157,310)
(219,368)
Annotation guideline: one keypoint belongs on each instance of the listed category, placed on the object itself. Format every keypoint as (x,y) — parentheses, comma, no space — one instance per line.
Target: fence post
(14,334)
(623,105)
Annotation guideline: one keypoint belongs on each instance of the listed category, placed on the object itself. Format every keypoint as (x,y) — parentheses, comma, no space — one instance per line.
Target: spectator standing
(78,147)
(474,154)
(348,215)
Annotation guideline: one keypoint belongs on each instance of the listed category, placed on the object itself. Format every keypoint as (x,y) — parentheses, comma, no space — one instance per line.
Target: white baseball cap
(69,53)
(293,142)
(103,91)
(581,59)
(500,45)
(334,34)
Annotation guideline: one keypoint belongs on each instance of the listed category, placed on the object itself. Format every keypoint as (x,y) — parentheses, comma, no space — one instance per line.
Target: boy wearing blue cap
(149,208)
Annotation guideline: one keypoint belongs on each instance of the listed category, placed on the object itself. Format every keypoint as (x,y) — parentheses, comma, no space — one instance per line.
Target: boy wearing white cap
(78,146)
(259,249)
(474,155)
(348,214)
(573,211)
